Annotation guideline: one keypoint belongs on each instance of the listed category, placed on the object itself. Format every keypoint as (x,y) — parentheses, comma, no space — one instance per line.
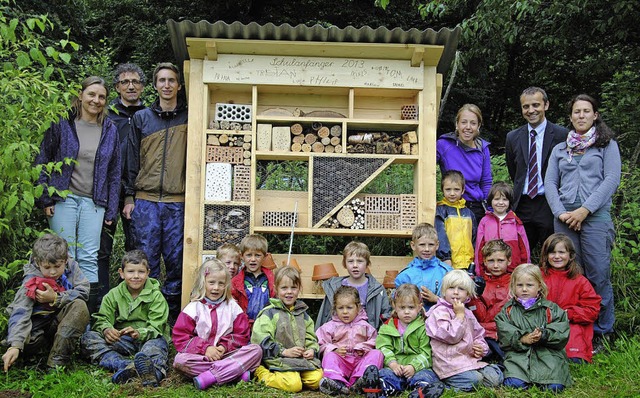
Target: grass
(611,375)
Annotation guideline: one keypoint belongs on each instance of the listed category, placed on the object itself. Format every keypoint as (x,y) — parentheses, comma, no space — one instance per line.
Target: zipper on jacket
(164,159)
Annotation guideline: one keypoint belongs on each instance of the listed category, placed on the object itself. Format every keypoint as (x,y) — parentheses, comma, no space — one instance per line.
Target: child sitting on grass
(457,339)
(211,334)
(533,332)
(49,311)
(347,346)
(285,333)
(373,297)
(132,320)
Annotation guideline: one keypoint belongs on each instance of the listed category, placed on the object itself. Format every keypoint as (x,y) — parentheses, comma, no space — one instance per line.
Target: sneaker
(125,375)
(602,343)
(332,387)
(145,369)
(369,383)
(431,390)
(246,376)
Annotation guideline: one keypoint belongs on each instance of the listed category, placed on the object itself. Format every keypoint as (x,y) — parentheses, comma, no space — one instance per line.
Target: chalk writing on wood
(313,71)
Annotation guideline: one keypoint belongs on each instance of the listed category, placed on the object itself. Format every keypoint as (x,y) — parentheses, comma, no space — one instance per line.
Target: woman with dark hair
(582,176)
(464,151)
(91,179)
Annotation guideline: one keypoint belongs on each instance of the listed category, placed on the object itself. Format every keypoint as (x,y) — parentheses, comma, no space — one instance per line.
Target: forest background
(567,47)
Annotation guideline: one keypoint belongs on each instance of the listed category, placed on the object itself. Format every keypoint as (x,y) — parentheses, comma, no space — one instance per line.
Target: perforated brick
(279,218)
(223,154)
(233,112)
(217,184)
(381,221)
(382,204)
(241,183)
(408,211)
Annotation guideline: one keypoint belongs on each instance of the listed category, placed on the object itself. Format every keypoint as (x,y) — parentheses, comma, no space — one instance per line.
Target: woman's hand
(49,210)
(574,218)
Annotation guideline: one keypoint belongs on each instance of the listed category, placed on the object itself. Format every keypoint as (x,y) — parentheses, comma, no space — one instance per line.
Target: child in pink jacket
(457,339)
(347,346)
(502,223)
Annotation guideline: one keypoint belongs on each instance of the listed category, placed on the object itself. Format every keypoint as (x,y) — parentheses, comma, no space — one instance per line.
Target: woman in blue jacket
(80,176)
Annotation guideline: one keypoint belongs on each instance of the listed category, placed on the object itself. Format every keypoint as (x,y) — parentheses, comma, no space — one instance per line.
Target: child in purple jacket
(457,339)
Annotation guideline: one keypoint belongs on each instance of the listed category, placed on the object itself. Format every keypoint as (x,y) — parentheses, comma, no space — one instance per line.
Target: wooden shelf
(337,231)
(225,203)
(228,132)
(299,119)
(274,155)
(382,124)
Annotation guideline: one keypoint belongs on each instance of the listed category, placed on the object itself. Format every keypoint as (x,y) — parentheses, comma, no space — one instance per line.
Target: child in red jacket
(572,292)
(497,256)
(502,223)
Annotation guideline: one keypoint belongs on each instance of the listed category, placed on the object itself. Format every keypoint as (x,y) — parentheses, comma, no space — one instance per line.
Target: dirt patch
(14,394)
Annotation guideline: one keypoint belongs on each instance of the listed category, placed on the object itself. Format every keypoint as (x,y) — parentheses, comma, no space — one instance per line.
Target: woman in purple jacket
(80,176)
(464,151)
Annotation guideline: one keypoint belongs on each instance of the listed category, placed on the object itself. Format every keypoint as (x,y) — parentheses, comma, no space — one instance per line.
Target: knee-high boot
(94,297)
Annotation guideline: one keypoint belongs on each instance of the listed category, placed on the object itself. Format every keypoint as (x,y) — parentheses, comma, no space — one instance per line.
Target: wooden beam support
(212,51)
(417,56)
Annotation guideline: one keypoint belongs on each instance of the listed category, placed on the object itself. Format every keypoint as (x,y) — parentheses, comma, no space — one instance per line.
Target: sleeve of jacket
(133,157)
(157,318)
(556,333)
(442,327)
(263,334)
(115,176)
(480,241)
(422,359)
(486,180)
(239,337)
(310,339)
(80,286)
(325,339)
(324,315)
(509,334)
(105,318)
(509,155)
(587,307)
(611,170)
(386,309)
(184,336)
(523,243)
(48,147)
(384,343)
(19,326)
(481,309)
(444,249)
(552,183)
(370,343)
(478,335)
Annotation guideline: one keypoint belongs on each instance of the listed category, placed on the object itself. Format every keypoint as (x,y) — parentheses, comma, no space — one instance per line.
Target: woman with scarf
(582,176)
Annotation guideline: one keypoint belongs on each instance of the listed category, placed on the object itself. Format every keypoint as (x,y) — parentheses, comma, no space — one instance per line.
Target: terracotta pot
(323,271)
(268,262)
(389,281)
(293,263)
(392,272)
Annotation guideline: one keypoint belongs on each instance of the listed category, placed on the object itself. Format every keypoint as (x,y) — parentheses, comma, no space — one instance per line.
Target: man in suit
(527,156)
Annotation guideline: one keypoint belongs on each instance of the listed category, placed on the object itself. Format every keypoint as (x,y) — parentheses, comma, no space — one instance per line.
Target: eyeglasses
(126,83)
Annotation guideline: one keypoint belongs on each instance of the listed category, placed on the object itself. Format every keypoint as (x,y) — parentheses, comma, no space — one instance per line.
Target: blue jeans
(489,376)
(514,382)
(392,384)
(79,221)
(593,245)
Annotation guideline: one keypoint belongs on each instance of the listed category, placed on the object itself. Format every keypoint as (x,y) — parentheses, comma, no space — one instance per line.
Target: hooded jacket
(473,163)
(511,231)
(544,362)
(61,142)
(278,328)
(456,226)
(581,302)
(452,340)
(486,307)
(427,273)
(240,294)
(411,348)
(159,175)
(356,336)
(22,308)
(147,313)
(377,307)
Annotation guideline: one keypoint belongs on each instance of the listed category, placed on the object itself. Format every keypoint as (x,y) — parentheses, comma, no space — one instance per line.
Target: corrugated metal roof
(179,31)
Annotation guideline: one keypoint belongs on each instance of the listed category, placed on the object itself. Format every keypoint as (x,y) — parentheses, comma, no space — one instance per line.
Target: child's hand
(396,368)
(46,296)
(10,357)
(358,352)
(308,354)
(293,352)
(133,333)
(426,294)
(458,308)
(478,351)
(214,353)
(531,338)
(342,351)
(111,335)
(408,371)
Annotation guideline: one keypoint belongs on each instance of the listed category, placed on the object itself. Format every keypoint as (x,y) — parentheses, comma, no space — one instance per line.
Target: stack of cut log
(227,125)
(383,143)
(229,140)
(316,138)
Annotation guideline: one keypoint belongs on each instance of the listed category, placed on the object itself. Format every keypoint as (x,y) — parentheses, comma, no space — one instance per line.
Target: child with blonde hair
(286,335)
(211,334)
(404,342)
(457,339)
(533,332)
(231,257)
(373,297)
(347,346)
(573,292)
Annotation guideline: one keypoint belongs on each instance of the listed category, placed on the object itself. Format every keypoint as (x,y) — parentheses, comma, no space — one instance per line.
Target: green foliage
(34,93)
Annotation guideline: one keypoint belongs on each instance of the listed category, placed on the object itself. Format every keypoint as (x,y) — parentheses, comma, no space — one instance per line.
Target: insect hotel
(346,106)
